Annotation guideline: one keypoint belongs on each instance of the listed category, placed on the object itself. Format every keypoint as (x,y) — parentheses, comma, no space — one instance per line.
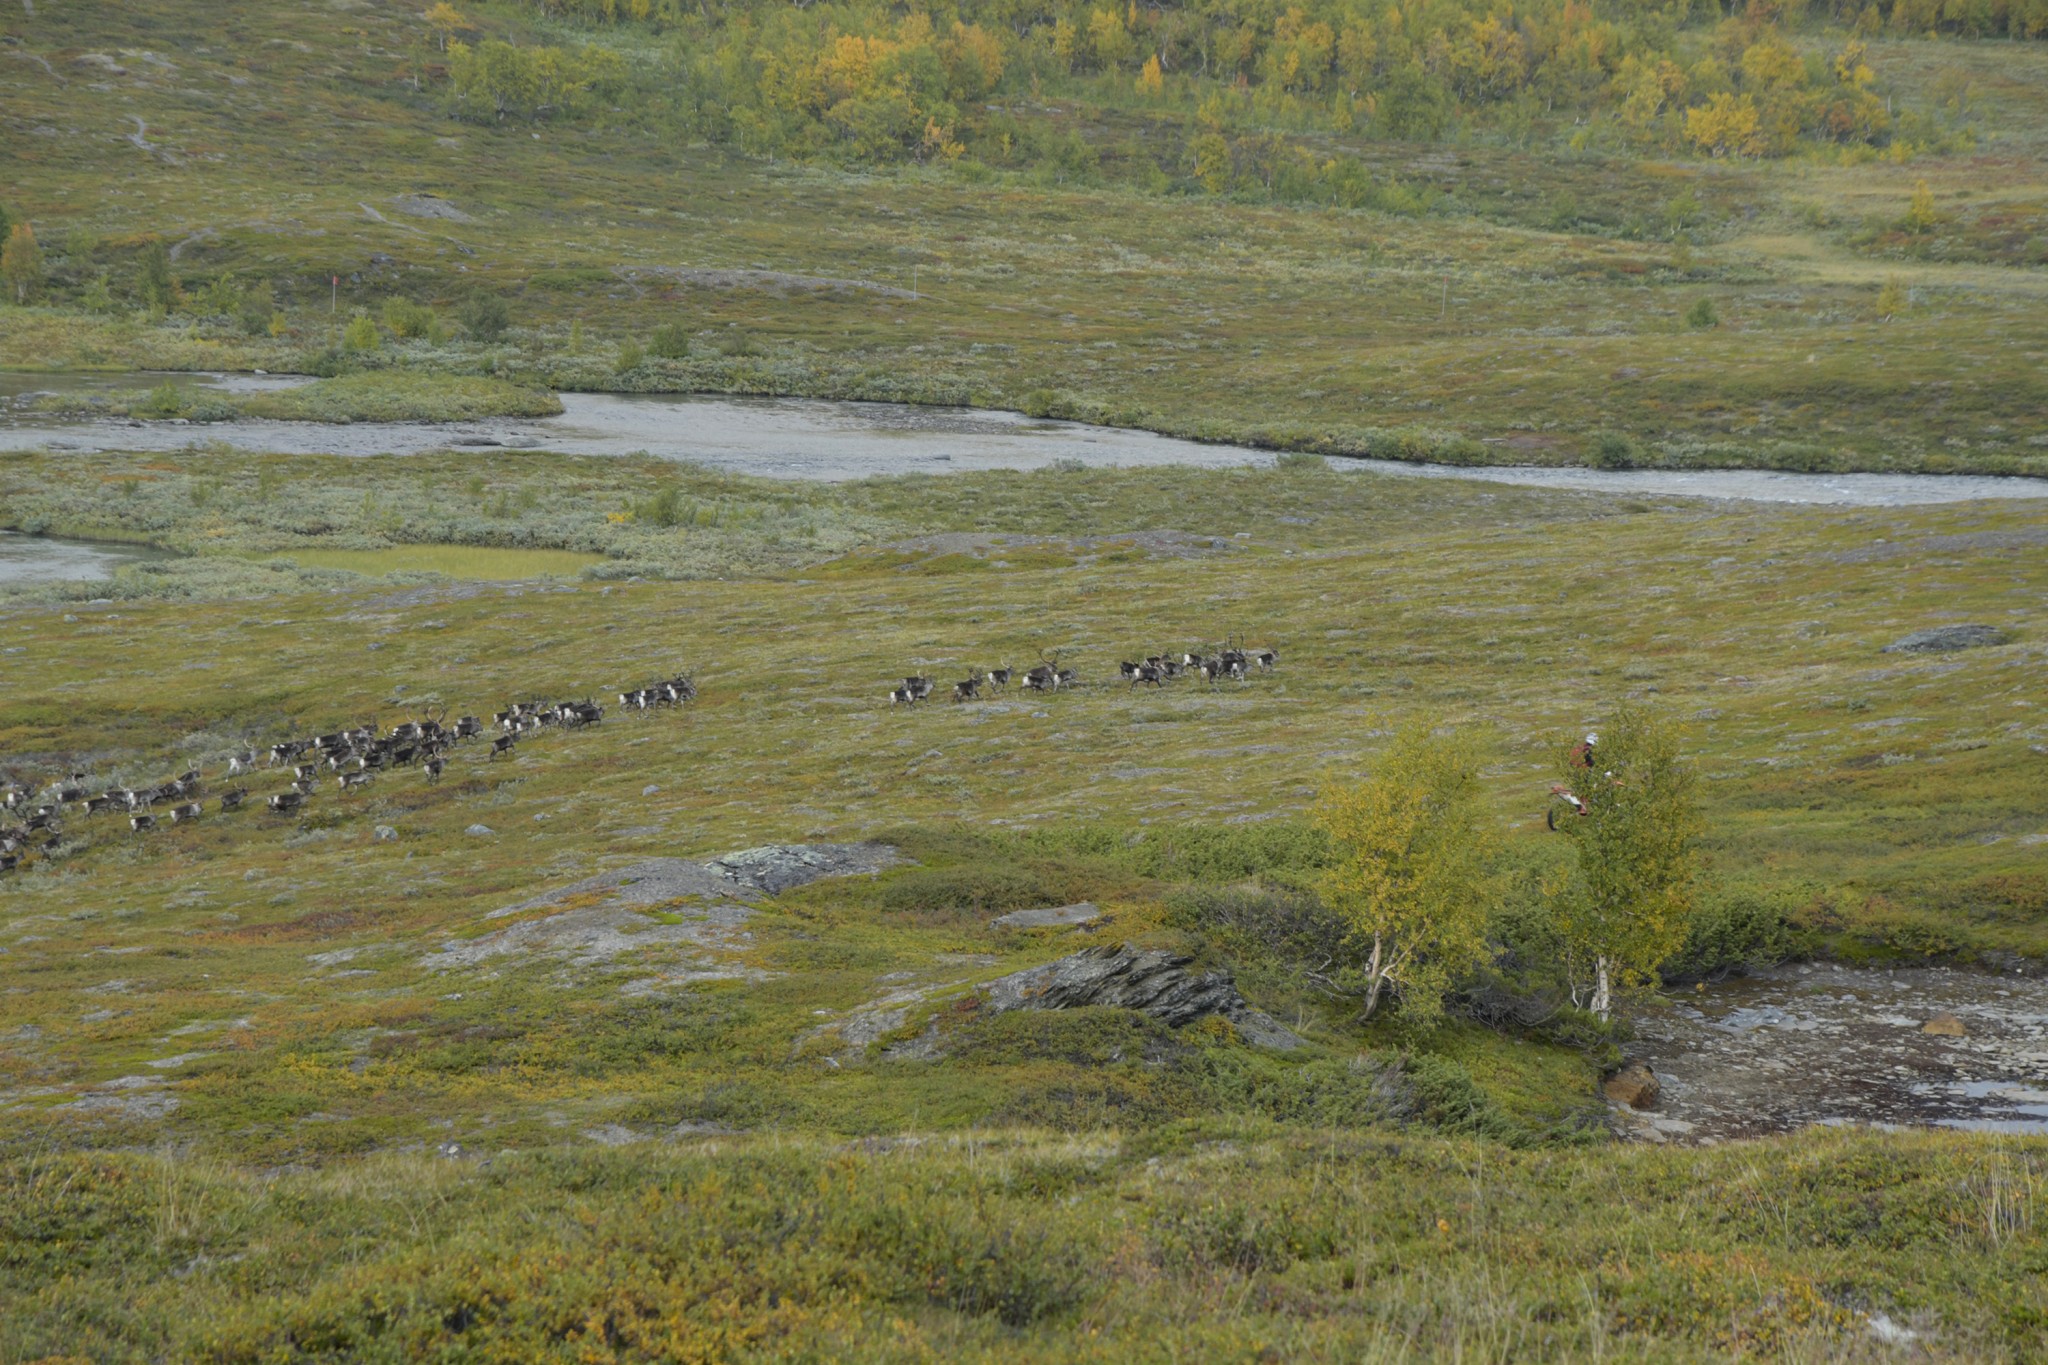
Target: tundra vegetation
(1546,267)
(398,1073)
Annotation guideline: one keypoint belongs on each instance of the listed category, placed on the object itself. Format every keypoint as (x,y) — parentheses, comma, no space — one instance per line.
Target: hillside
(802,1019)
(1504,294)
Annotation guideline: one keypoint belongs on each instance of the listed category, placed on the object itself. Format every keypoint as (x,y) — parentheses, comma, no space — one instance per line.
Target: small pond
(53,559)
(1828,1044)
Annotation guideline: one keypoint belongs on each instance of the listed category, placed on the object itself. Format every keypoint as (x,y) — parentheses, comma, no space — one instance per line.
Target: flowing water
(1829,1044)
(801,438)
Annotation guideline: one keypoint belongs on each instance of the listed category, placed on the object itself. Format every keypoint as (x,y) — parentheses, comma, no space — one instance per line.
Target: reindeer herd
(32,821)
(1212,666)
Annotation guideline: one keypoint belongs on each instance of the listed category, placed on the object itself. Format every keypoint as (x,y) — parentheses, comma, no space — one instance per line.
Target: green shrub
(664,509)
(1611,450)
(257,310)
(360,334)
(407,320)
(165,400)
(1735,932)
(484,316)
(1701,315)
(671,341)
(630,357)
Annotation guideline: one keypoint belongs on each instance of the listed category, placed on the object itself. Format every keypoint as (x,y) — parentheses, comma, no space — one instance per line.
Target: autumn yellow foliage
(1409,882)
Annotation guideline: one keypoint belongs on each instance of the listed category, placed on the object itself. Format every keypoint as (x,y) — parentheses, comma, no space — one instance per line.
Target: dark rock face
(1942,639)
(1155,982)
(776,868)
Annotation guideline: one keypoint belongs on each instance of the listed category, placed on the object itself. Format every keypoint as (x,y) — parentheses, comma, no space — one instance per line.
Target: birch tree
(1623,906)
(1409,883)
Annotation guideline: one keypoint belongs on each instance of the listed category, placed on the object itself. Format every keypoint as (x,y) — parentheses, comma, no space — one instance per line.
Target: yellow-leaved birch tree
(1409,882)
(1624,904)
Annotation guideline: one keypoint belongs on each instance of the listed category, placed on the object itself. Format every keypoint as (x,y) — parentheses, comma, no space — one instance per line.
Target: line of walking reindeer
(32,821)
(1212,666)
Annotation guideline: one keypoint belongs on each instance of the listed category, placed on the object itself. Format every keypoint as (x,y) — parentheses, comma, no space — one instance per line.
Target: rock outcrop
(775,868)
(688,918)
(1945,1025)
(1053,917)
(1149,980)
(1635,1085)
(1943,639)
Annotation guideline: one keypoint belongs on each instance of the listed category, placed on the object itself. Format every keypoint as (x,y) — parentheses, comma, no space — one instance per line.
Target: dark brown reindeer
(1048,676)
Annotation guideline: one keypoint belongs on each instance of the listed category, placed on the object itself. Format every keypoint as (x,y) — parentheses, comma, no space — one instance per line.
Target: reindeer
(998,678)
(191,810)
(967,689)
(105,801)
(306,772)
(304,786)
(433,768)
(284,803)
(1151,673)
(9,861)
(902,696)
(1266,659)
(1048,676)
(348,780)
(503,744)
(232,800)
(139,823)
(918,687)
(469,727)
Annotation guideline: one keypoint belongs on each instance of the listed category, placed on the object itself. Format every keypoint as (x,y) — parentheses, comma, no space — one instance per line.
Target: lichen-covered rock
(1942,639)
(1150,980)
(1051,917)
(776,868)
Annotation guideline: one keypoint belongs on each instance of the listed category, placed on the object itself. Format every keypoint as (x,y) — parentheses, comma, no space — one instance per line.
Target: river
(800,438)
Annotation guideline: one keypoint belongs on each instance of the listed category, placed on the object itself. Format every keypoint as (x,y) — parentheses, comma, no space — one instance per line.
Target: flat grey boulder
(1149,980)
(1053,917)
(775,868)
(1944,639)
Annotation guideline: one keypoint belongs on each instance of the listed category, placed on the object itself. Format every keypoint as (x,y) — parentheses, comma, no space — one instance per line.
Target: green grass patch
(401,396)
(453,561)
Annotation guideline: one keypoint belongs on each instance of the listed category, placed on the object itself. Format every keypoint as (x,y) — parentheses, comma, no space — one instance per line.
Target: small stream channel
(802,438)
(1823,1043)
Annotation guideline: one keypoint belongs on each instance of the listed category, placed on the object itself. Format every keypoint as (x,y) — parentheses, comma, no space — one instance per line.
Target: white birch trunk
(1602,995)
(1372,991)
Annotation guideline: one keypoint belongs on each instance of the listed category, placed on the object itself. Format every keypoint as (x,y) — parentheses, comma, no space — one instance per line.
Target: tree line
(1250,82)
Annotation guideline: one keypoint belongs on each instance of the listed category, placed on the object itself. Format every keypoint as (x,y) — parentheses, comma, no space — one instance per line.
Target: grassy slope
(1189,316)
(1899,786)
(1204,1212)
(1213,1242)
